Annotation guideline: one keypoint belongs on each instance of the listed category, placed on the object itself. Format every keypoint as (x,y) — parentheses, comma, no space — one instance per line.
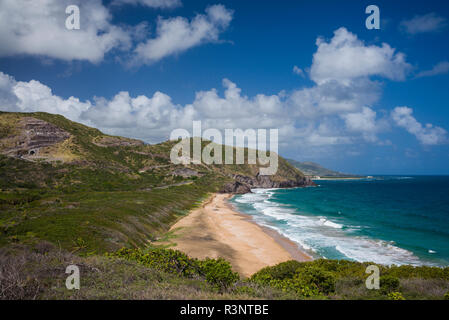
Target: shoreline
(339,179)
(290,246)
(217,229)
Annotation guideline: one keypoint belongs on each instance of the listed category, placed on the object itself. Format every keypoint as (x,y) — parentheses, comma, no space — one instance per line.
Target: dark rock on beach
(244,184)
(236,188)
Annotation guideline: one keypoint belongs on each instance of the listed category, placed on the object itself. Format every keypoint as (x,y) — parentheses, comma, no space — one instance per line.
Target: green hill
(84,190)
(315,169)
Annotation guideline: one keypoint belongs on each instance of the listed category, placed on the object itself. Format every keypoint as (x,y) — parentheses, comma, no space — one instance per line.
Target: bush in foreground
(389,284)
(340,279)
(395,296)
(217,272)
(167,260)
(38,272)
(304,279)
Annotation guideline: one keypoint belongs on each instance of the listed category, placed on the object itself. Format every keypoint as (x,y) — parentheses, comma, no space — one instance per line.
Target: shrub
(167,260)
(315,277)
(218,272)
(305,279)
(395,296)
(388,284)
(284,270)
(245,290)
(446,296)
(297,286)
(422,272)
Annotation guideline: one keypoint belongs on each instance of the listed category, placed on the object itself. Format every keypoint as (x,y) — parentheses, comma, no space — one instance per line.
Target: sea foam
(322,236)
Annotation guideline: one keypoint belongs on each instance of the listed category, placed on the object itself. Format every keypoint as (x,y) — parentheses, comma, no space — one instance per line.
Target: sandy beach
(216,230)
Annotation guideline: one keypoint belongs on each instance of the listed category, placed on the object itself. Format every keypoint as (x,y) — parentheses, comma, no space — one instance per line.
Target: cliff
(244,184)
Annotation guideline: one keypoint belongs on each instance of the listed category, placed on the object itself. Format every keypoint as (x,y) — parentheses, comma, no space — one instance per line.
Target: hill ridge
(83,188)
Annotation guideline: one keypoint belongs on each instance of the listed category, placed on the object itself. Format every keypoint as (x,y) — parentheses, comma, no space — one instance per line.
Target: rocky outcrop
(109,141)
(34,135)
(236,188)
(244,184)
(185,173)
(260,181)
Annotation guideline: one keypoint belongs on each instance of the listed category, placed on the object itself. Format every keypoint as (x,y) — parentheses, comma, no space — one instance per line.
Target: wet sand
(217,230)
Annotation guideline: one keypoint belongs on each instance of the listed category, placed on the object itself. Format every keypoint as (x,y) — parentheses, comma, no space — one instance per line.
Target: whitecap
(321,236)
(331,224)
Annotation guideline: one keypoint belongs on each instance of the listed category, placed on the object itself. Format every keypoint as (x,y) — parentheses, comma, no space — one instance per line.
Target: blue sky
(361,117)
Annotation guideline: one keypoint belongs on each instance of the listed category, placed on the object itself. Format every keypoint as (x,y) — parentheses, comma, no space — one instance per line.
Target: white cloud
(361,121)
(346,58)
(150,3)
(365,123)
(440,68)
(8,100)
(430,22)
(38,28)
(148,118)
(33,96)
(342,69)
(427,135)
(334,98)
(175,35)
(298,71)
(333,113)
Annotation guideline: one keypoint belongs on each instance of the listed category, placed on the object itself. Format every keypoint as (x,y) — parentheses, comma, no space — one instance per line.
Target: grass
(343,280)
(105,221)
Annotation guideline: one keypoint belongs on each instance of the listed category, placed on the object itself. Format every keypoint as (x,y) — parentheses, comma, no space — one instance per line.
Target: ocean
(386,220)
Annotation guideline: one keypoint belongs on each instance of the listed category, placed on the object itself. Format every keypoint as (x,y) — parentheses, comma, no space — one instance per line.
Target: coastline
(290,246)
(217,229)
(339,179)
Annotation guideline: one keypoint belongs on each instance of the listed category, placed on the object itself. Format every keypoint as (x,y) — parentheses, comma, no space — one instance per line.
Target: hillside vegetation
(38,272)
(315,169)
(83,190)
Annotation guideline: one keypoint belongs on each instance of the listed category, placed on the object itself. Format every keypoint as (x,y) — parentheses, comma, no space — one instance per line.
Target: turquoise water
(388,220)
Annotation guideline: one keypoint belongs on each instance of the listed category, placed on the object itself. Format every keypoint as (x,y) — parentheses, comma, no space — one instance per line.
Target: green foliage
(156,274)
(106,220)
(423,272)
(218,272)
(281,271)
(38,272)
(388,284)
(346,279)
(305,279)
(296,285)
(446,296)
(167,260)
(315,277)
(395,296)
(245,290)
